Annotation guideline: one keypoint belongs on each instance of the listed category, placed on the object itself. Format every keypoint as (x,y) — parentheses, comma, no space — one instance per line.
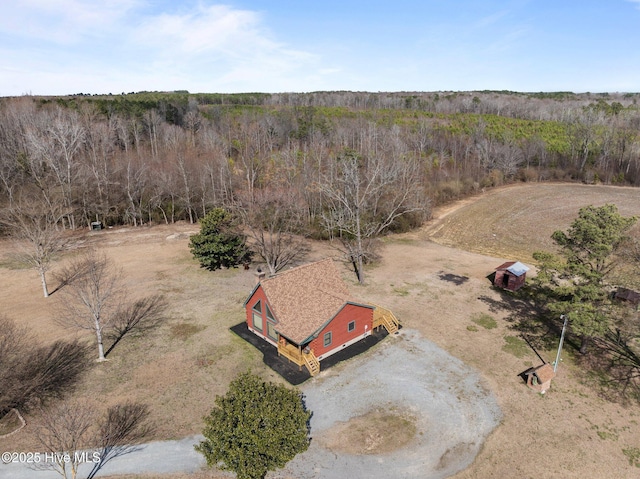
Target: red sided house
(308,314)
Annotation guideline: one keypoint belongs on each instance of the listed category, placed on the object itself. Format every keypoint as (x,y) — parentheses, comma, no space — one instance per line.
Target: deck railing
(301,358)
(385,318)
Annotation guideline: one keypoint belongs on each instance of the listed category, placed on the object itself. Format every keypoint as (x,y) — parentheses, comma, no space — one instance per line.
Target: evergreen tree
(255,428)
(220,243)
(575,282)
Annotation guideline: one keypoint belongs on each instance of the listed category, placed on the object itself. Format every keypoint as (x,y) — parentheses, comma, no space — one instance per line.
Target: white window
(327,339)
(271,331)
(257,316)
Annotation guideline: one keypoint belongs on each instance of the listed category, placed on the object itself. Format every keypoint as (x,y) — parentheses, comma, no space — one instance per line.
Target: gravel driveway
(454,413)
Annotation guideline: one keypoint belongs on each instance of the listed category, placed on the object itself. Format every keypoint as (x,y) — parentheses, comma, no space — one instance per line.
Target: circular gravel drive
(453,412)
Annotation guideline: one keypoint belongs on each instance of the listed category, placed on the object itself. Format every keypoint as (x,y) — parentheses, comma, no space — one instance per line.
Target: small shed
(510,275)
(539,378)
(628,295)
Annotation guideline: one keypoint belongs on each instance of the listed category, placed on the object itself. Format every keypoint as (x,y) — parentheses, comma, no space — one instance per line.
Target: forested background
(152,157)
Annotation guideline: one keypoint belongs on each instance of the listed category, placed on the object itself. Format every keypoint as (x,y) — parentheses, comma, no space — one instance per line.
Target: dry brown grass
(377,432)
(515,221)
(180,367)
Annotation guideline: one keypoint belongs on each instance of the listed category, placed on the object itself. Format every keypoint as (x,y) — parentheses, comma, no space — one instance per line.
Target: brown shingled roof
(305,298)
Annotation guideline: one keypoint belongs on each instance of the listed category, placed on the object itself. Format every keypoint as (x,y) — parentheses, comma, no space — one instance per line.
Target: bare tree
(74,432)
(94,299)
(63,432)
(56,140)
(37,236)
(91,300)
(276,224)
(364,197)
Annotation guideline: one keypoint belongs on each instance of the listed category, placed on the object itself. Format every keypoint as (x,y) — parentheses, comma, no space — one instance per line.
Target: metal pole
(564,327)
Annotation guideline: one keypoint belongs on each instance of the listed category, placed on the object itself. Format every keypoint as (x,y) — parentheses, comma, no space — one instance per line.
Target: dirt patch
(377,432)
(452,454)
(184,331)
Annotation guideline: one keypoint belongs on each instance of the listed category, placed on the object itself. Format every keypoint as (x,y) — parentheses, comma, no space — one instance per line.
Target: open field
(515,221)
(433,288)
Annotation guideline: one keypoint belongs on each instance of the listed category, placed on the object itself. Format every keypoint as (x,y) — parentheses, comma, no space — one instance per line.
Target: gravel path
(454,414)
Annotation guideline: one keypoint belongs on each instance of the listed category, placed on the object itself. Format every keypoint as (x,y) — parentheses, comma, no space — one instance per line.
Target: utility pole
(564,328)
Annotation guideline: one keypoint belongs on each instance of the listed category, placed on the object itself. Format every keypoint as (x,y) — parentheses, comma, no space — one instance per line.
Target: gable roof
(514,267)
(545,373)
(305,298)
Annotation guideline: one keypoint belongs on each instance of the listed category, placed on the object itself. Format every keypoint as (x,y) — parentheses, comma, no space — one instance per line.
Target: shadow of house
(289,370)
(510,275)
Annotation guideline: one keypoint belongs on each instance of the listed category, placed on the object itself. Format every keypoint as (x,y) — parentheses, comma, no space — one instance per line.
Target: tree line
(162,157)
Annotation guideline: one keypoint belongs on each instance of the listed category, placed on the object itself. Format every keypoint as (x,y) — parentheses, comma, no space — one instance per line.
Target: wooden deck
(381,317)
(301,358)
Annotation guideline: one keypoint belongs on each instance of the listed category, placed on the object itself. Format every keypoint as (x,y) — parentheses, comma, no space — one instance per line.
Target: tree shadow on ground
(525,316)
(614,367)
(109,453)
(453,278)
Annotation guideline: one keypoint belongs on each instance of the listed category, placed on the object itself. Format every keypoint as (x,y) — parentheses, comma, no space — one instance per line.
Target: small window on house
(327,339)
(269,314)
(351,326)
(257,316)
(271,331)
(257,321)
(258,307)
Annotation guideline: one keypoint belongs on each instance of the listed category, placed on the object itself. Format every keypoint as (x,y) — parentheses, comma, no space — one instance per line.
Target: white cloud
(217,27)
(63,21)
(229,46)
(83,46)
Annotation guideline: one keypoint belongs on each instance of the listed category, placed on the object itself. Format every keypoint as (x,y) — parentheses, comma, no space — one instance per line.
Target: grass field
(514,222)
(433,279)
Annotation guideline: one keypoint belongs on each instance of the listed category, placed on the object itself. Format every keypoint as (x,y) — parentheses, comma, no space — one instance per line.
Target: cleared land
(434,289)
(517,220)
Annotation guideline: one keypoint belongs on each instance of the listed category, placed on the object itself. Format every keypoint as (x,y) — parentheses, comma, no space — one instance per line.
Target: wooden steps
(385,318)
(390,323)
(311,362)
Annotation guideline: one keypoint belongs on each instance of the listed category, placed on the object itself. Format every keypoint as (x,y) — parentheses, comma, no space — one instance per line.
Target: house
(308,314)
(510,275)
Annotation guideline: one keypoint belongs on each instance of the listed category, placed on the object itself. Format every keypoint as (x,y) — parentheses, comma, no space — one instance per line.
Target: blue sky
(57,47)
